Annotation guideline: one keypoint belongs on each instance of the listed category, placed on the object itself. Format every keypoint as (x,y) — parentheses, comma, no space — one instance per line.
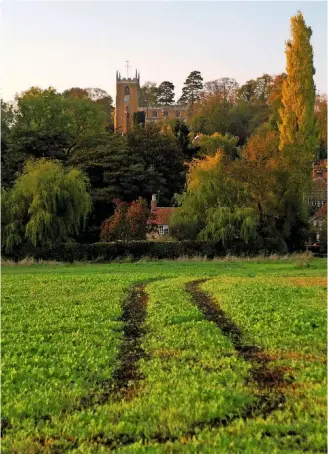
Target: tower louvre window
(127,90)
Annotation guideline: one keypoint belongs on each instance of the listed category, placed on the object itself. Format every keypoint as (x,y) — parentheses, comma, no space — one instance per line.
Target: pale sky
(82,44)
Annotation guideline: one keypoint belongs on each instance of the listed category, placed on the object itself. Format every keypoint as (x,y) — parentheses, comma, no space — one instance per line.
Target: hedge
(71,252)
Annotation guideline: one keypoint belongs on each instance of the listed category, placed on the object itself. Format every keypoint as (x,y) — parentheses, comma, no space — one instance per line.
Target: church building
(127,103)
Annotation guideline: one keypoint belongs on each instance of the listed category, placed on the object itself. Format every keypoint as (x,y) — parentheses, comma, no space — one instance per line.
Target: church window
(127,90)
(177,113)
(154,114)
(166,114)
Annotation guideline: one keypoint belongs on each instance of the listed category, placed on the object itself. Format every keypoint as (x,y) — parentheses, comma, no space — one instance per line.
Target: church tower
(127,101)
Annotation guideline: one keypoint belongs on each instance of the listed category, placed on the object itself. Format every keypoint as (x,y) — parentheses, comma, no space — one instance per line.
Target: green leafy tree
(256,90)
(102,99)
(158,164)
(97,96)
(104,159)
(209,145)
(192,88)
(148,94)
(221,111)
(212,206)
(75,92)
(144,162)
(11,159)
(182,134)
(49,124)
(46,205)
(165,93)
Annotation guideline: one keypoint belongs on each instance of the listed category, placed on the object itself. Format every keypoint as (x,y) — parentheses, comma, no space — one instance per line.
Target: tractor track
(126,381)
(269,380)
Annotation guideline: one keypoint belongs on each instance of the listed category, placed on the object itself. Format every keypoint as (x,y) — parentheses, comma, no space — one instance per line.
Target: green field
(164,357)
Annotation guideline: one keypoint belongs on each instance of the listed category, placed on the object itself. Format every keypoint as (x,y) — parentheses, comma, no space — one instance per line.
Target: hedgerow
(73,252)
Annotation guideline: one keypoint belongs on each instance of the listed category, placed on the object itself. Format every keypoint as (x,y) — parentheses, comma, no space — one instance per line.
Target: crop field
(164,357)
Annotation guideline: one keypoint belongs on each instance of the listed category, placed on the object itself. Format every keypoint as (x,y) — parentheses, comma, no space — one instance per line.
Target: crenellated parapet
(121,79)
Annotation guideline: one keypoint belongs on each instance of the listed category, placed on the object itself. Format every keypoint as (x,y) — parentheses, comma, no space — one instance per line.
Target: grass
(63,331)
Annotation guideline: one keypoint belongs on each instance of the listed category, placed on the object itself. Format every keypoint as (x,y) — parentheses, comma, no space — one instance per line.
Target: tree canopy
(192,88)
(165,93)
(129,221)
(46,205)
(148,94)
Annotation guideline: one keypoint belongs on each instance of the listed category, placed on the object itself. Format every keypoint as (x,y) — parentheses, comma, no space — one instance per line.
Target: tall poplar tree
(298,133)
(298,125)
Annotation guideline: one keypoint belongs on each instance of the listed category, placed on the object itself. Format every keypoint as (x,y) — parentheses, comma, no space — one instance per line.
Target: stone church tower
(127,102)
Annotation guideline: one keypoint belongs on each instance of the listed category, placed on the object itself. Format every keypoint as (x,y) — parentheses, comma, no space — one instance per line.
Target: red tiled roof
(161,215)
(321,213)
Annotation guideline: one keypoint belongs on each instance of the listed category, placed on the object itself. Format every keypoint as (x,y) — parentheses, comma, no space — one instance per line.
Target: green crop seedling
(164,357)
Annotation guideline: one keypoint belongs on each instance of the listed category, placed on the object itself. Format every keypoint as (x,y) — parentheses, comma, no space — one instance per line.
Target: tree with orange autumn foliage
(236,200)
(256,171)
(129,221)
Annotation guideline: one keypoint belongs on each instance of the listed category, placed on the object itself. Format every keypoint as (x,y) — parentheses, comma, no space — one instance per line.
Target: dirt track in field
(270,380)
(128,376)
(126,382)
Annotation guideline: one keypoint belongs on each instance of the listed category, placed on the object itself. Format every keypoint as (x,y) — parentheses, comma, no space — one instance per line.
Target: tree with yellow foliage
(298,129)
(298,132)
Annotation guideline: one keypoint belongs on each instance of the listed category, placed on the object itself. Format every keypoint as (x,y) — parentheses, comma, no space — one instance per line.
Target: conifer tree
(191,89)
(298,125)
(165,93)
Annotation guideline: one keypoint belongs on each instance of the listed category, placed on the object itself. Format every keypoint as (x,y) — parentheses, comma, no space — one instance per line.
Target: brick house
(317,222)
(160,217)
(318,195)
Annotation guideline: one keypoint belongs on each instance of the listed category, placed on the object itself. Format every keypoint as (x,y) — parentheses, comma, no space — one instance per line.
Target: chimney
(153,203)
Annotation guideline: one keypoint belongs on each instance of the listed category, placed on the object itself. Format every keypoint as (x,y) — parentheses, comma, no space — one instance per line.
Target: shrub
(135,250)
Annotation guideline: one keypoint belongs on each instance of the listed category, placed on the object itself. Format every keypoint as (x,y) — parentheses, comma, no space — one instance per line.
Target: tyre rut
(269,380)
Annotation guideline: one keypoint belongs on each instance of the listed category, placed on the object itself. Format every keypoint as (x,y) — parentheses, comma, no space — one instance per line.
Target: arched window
(166,114)
(154,114)
(127,90)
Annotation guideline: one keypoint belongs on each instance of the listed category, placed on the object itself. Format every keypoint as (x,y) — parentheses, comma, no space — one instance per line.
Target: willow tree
(46,205)
(213,206)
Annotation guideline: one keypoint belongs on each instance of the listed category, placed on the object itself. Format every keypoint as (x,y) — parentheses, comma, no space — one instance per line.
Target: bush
(71,252)
(134,250)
